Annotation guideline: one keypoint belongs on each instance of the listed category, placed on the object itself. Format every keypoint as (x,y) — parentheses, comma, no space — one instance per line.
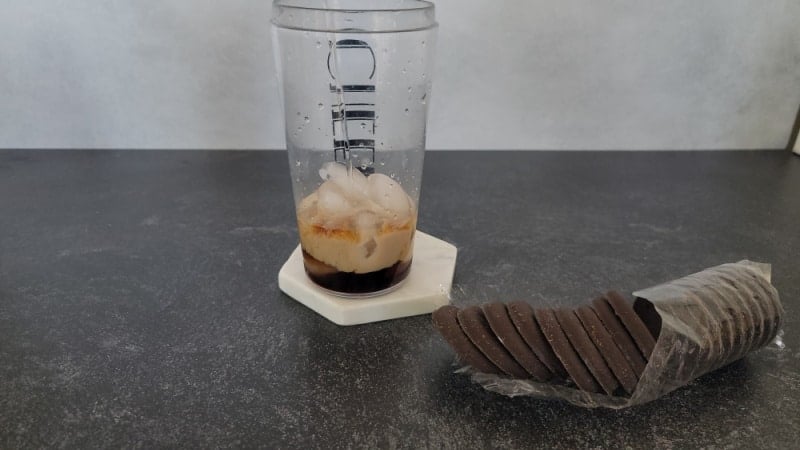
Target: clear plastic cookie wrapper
(355,81)
(687,327)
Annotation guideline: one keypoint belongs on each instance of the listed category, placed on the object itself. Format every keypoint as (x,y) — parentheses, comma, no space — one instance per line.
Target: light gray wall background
(536,74)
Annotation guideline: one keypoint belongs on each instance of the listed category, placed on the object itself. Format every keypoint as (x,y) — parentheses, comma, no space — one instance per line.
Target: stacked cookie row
(603,346)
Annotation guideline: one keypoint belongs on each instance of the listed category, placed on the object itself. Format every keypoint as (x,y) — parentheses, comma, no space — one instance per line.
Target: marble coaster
(426,288)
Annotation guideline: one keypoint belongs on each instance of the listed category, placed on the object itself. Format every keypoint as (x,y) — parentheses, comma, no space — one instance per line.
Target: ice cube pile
(349,199)
(357,223)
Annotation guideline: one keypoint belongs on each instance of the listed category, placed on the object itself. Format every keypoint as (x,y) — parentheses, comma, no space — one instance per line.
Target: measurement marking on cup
(352,88)
(337,115)
(352,142)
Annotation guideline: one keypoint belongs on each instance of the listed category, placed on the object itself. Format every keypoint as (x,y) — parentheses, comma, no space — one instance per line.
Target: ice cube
(367,221)
(388,193)
(331,203)
(353,185)
(352,182)
(308,206)
(369,247)
(331,170)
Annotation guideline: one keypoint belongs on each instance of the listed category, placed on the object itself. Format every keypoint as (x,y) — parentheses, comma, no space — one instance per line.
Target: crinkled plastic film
(708,320)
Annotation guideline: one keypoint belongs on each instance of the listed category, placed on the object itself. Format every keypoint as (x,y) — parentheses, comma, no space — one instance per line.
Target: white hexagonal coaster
(426,288)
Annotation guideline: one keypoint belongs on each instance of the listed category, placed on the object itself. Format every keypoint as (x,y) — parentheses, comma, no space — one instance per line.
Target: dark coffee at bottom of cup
(355,283)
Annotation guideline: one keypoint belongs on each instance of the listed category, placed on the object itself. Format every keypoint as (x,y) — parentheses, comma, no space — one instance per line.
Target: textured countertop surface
(139,304)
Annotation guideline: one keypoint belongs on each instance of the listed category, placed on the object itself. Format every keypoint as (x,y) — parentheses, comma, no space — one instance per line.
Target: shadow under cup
(355,78)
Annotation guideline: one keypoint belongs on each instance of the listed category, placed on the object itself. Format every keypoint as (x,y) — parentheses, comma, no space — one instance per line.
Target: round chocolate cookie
(736,308)
(586,350)
(761,297)
(765,294)
(522,315)
(727,327)
(763,323)
(497,316)
(480,333)
(446,322)
(701,311)
(607,348)
(620,336)
(564,350)
(731,310)
(633,323)
(753,308)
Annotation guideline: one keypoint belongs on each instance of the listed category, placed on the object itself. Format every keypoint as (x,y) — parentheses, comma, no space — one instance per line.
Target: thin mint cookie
(586,349)
(522,315)
(497,316)
(446,323)
(747,293)
(731,310)
(608,349)
(771,304)
(559,342)
(757,298)
(726,322)
(480,333)
(632,322)
(705,318)
(737,308)
(620,336)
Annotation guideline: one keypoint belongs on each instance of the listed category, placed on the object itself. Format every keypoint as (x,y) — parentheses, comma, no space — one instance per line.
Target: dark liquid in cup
(354,283)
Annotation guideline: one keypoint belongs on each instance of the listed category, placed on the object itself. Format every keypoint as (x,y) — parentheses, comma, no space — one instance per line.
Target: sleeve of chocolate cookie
(708,320)
(700,323)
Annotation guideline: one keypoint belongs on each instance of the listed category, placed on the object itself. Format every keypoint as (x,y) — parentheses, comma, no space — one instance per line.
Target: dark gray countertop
(139,303)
